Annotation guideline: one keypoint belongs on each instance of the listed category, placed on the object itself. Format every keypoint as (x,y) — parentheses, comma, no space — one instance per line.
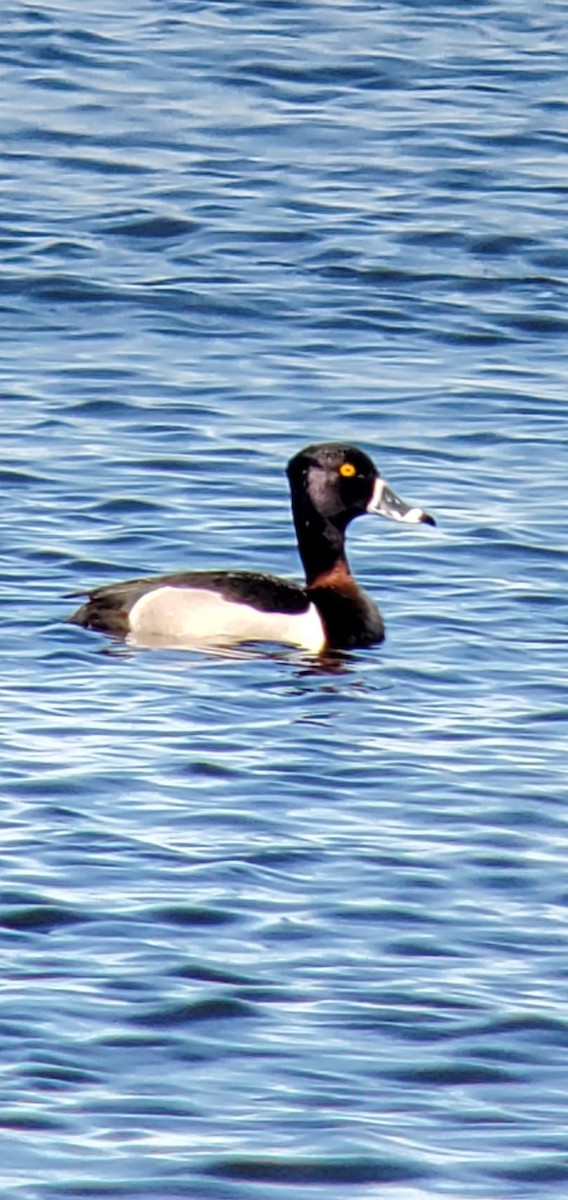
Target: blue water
(270,932)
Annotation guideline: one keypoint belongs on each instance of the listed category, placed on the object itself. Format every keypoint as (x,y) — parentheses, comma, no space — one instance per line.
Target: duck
(331,484)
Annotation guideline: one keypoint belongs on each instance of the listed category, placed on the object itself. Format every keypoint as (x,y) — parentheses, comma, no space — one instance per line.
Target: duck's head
(340,482)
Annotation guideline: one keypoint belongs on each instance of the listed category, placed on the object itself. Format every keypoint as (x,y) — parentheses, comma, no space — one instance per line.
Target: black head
(331,484)
(336,480)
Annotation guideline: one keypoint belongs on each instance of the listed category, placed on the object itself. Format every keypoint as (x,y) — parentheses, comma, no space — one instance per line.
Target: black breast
(350,617)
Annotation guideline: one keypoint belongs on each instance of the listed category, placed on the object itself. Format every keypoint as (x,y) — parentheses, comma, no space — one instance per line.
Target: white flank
(171,616)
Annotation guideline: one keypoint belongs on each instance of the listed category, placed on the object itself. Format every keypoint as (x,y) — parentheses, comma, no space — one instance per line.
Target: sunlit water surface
(270,930)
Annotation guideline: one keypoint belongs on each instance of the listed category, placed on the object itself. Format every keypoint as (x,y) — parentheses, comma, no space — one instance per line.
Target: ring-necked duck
(330,484)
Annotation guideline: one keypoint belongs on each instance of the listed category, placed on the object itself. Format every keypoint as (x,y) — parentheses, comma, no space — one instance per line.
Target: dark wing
(108,607)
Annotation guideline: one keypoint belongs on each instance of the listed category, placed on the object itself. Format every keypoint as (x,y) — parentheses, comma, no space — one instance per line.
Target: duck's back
(204,606)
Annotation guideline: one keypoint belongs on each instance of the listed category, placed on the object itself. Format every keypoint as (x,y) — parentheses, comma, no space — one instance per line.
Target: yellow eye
(347,470)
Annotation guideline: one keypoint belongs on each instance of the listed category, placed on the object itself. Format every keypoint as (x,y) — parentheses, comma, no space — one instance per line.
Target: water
(266,930)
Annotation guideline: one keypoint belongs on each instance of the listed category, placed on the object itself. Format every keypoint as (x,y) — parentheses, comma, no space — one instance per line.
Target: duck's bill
(386,503)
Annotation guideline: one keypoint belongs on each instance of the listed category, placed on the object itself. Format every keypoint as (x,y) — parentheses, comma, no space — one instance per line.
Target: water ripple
(269,926)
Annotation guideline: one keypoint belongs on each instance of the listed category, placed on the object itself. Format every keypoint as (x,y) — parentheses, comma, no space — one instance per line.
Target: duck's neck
(321,544)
